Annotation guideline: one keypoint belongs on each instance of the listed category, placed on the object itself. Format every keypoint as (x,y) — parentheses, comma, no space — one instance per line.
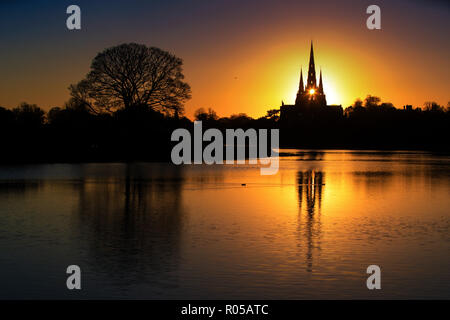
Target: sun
(333,93)
(312,91)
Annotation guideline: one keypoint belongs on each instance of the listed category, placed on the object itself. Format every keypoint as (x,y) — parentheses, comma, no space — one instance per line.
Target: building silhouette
(311,99)
(311,93)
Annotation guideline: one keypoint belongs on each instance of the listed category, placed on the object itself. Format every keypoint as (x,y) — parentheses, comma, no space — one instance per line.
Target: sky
(240,56)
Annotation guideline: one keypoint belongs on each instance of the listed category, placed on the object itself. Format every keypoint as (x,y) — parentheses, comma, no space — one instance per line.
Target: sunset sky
(239,56)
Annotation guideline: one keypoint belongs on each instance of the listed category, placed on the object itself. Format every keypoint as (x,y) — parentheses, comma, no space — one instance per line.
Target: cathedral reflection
(310,188)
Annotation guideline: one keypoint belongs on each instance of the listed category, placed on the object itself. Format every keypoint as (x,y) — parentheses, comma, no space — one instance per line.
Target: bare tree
(82,97)
(273,114)
(133,75)
(29,115)
(371,101)
(202,115)
(433,106)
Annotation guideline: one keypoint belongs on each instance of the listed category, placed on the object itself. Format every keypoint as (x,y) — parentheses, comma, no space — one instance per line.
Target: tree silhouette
(433,107)
(29,116)
(273,114)
(371,101)
(133,74)
(202,115)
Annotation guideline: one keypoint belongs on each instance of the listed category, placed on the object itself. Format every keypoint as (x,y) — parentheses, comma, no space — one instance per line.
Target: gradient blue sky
(240,56)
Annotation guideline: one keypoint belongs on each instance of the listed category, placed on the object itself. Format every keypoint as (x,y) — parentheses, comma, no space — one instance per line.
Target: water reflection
(310,186)
(133,226)
(19,187)
(161,231)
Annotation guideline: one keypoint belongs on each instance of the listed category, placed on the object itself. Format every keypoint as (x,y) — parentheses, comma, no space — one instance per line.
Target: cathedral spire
(320,83)
(311,93)
(312,83)
(301,88)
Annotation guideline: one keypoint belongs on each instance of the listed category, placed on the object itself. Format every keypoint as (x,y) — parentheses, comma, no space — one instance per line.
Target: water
(156,231)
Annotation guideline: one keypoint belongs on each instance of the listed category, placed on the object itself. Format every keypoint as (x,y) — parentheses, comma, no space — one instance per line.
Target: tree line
(132,98)
(366,124)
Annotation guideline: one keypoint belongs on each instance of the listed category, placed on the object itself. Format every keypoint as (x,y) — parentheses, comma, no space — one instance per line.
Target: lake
(159,231)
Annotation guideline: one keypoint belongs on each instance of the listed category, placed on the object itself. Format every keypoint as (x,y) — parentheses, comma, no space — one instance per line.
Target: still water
(157,231)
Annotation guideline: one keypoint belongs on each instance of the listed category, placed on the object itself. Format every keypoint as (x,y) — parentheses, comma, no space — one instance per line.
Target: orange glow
(312,91)
(243,63)
(260,78)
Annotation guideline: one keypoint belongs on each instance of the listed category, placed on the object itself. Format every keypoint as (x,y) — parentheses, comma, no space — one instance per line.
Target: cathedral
(311,93)
(310,97)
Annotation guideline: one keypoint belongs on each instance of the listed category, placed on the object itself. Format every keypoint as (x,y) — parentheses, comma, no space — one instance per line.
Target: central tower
(311,93)
(311,83)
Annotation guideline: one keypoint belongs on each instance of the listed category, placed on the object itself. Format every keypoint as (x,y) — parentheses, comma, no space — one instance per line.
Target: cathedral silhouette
(310,99)
(311,93)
